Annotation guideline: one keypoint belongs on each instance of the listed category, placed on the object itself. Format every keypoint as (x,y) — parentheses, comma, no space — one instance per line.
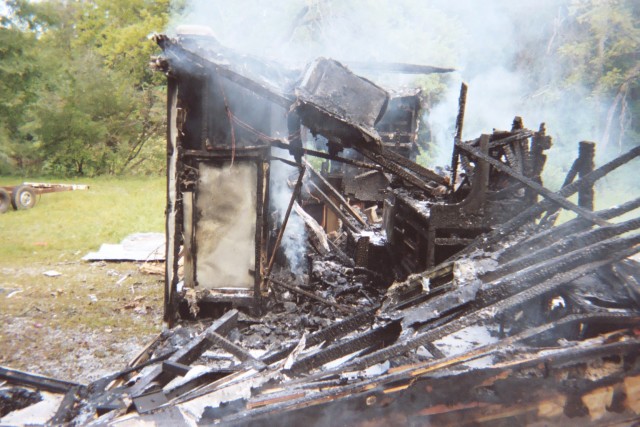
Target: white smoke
(490,43)
(295,235)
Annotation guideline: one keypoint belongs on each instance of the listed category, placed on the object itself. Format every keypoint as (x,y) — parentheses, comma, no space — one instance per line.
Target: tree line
(77,96)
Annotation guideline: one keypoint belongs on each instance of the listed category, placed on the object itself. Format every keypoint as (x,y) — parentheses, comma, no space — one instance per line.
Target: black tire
(23,197)
(5,201)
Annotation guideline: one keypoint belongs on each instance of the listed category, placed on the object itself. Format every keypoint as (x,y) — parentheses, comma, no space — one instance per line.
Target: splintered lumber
(534,211)
(570,244)
(554,197)
(552,235)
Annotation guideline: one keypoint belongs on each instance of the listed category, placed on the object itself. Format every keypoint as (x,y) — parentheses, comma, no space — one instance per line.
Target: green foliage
(76,94)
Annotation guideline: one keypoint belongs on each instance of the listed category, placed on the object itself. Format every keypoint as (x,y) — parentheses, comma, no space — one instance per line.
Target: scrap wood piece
(308,294)
(189,353)
(40,382)
(548,194)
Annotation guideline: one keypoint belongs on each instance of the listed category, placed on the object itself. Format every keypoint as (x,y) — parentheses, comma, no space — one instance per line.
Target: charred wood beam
(462,102)
(398,67)
(414,167)
(252,152)
(520,135)
(239,352)
(335,193)
(285,161)
(323,155)
(496,141)
(376,336)
(569,244)
(398,170)
(39,382)
(334,208)
(335,331)
(65,410)
(310,295)
(587,153)
(619,319)
(582,166)
(294,196)
(540,207)
(395,385)
(102,383)
(551,236)
(189,353)
(554,197)
(565,275)
(205,378)
(175,368)
(546,269)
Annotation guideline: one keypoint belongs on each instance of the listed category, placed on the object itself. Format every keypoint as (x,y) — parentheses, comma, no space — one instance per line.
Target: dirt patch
(79,321)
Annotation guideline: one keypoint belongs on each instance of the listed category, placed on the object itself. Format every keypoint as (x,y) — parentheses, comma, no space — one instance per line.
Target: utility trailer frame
(23,196)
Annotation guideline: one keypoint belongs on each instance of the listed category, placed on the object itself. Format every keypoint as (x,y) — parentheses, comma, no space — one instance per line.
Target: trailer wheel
(5,200)
(23,197)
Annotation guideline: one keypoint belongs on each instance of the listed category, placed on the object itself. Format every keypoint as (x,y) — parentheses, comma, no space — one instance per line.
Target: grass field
(93,315)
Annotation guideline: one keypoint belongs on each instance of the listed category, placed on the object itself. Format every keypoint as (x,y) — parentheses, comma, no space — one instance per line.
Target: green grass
(115,300)
(63,225)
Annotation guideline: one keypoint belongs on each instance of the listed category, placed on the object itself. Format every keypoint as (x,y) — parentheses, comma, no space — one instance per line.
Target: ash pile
(316,273)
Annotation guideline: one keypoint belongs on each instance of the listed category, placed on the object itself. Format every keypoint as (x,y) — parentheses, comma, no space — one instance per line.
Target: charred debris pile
(402,295)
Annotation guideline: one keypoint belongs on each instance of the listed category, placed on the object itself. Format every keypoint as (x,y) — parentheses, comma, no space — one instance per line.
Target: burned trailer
(218,176)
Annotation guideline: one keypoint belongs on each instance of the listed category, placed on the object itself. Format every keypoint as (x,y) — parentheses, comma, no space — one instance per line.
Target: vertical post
(462,102)
(174,207)
(587,152)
